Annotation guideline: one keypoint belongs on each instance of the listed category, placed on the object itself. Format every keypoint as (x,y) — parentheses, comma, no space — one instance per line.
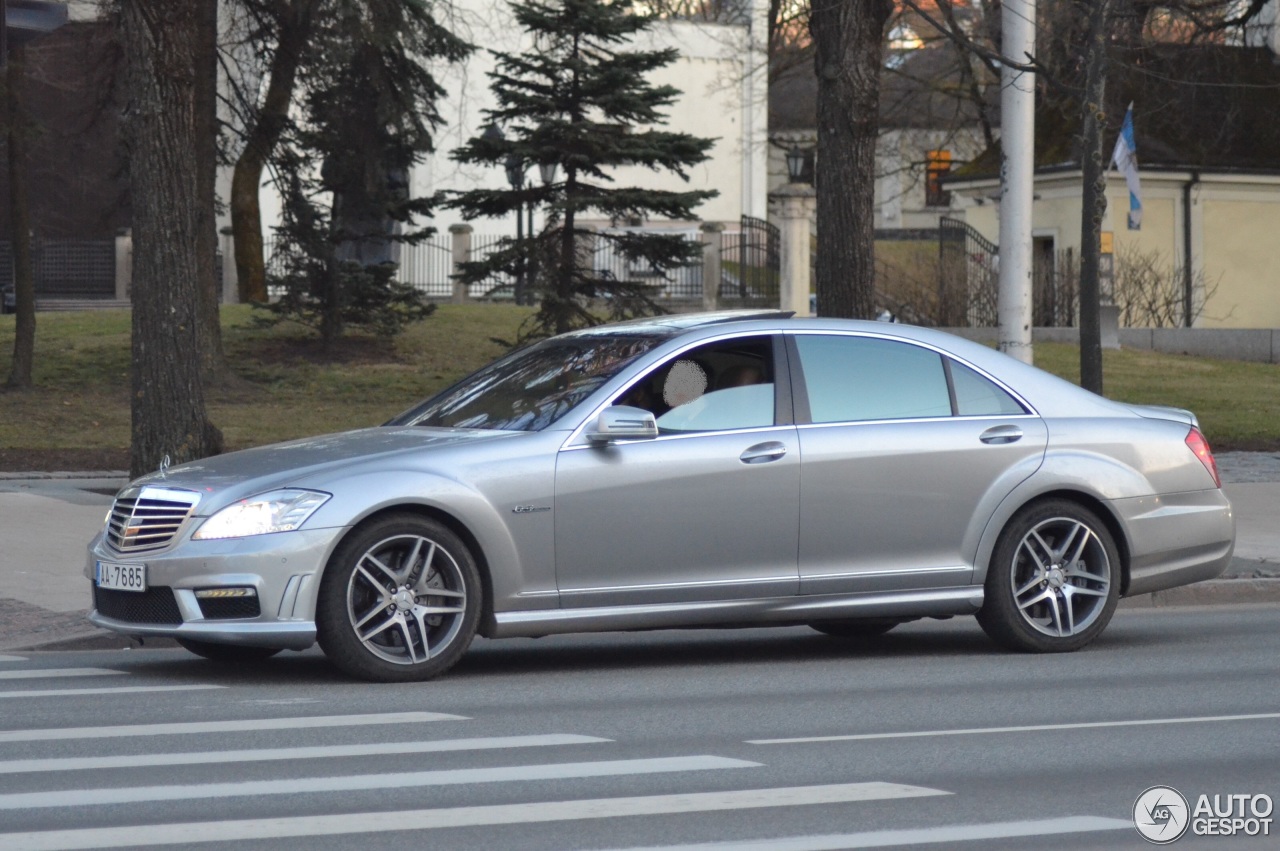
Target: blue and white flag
(1125,158)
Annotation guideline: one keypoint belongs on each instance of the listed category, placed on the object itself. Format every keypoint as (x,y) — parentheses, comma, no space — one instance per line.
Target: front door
(706,511)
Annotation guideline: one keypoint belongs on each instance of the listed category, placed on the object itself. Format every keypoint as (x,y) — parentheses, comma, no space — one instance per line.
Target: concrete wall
(1260,345)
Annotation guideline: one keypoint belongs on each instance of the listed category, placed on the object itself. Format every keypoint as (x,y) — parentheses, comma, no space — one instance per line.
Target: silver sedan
(686,471)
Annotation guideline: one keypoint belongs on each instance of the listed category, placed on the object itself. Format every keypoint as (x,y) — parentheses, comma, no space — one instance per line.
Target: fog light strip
(187,728)
(530,813)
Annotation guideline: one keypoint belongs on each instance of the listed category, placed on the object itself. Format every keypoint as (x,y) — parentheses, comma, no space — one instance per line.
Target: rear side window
(978,397)
(850,379)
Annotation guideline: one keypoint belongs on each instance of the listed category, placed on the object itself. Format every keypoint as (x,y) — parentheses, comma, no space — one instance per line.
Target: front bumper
(283,569)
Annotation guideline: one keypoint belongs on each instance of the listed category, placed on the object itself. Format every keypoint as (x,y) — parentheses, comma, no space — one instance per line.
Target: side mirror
(622,422)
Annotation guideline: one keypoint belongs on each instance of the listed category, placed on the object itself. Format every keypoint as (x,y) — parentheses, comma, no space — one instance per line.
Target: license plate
(121,577)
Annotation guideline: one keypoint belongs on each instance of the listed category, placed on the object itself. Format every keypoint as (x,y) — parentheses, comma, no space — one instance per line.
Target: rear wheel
(400,600)
(1054,579)
(869,628)
(227,653)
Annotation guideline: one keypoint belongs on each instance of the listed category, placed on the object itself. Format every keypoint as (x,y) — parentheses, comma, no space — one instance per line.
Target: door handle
(762,453)
(1001,434)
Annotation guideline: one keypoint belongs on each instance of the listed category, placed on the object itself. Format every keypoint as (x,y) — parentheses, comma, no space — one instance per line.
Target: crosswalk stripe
(913,836)
(13,658)
(384,822)
(1030,728)
(79,692)
(50,673)
(187,728)
(556,771)
(25,766)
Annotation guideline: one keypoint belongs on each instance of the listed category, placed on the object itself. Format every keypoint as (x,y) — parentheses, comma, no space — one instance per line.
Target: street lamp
(795,164)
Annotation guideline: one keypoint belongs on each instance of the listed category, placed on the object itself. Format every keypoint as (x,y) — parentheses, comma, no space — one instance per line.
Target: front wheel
(1054,579)
(400,600)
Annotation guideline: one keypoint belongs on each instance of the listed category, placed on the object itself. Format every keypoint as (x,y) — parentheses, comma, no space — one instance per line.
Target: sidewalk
(48,519)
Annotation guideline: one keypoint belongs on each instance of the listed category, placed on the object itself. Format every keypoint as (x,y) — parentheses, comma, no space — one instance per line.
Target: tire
(1054,579)
(227,654)
(860,629)
(400,600)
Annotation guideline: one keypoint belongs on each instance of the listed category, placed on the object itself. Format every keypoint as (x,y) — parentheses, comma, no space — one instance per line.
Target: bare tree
(212,360)
(24,340)
(848,37)
(281,29)
(168,407)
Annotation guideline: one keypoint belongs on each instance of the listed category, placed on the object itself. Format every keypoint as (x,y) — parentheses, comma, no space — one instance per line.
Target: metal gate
(751,264)
(968,271)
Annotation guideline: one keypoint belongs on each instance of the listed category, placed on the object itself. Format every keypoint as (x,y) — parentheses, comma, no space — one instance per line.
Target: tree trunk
(246,179)
(1093,196)
(848,37)
(24,286)
(159,38)
(212,360)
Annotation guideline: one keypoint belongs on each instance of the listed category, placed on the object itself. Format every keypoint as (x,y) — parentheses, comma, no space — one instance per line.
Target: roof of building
(1209,108)
(929,88)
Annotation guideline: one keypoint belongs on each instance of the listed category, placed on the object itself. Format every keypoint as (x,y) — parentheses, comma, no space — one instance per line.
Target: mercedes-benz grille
(148,518)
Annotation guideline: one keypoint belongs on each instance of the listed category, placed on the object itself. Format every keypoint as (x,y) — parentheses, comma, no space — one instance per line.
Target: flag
(1125,158)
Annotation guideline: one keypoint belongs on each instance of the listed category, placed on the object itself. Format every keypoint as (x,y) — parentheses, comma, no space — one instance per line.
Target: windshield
(530,389)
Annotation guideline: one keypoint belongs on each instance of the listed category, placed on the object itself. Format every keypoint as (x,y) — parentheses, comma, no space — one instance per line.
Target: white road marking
(23,766)
(42,673)
(1032,728)
(13,658)
(188,728)
(81,798)
(79,692)
(246,830)
(914,836)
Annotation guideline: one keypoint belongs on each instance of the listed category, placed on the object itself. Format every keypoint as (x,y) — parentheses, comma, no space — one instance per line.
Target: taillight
(1200,446)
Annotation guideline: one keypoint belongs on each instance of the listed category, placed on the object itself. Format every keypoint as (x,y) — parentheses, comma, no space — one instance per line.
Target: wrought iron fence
(682,283)
(67,268)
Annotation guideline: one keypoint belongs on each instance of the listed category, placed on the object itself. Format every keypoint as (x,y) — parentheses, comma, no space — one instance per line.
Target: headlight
(277,511)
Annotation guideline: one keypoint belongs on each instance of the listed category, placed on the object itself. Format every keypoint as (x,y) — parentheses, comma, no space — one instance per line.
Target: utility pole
(1017,168)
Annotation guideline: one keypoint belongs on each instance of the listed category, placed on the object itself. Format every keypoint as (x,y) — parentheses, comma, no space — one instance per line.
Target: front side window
(530,389)
(852,379)
(717,387)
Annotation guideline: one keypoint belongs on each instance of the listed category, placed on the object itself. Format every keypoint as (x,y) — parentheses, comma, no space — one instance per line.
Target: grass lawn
(79,412)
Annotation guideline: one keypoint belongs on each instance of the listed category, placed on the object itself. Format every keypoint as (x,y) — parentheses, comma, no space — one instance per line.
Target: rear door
(906,453)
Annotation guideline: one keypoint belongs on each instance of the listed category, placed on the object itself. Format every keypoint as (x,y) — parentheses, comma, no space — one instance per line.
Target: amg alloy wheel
(1054,579)
(400,600)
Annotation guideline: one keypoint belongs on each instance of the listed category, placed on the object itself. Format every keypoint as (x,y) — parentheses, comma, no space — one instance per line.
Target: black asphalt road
(652,740)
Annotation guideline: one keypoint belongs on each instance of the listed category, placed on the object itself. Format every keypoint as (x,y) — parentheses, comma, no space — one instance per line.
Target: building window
(937,166)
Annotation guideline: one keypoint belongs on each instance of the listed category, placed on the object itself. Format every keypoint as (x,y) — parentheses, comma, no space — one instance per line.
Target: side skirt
(771,611)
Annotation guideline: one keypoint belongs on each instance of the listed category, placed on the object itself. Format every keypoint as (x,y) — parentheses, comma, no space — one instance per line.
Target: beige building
(1208,147)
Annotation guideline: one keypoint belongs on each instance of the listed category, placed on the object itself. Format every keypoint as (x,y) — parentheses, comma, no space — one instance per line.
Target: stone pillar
(124,263)
(461,252)
(795,205)
(230,292)
(712,246)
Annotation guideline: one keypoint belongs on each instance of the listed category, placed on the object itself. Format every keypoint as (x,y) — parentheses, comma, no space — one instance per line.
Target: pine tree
(367,115)
(581,100)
